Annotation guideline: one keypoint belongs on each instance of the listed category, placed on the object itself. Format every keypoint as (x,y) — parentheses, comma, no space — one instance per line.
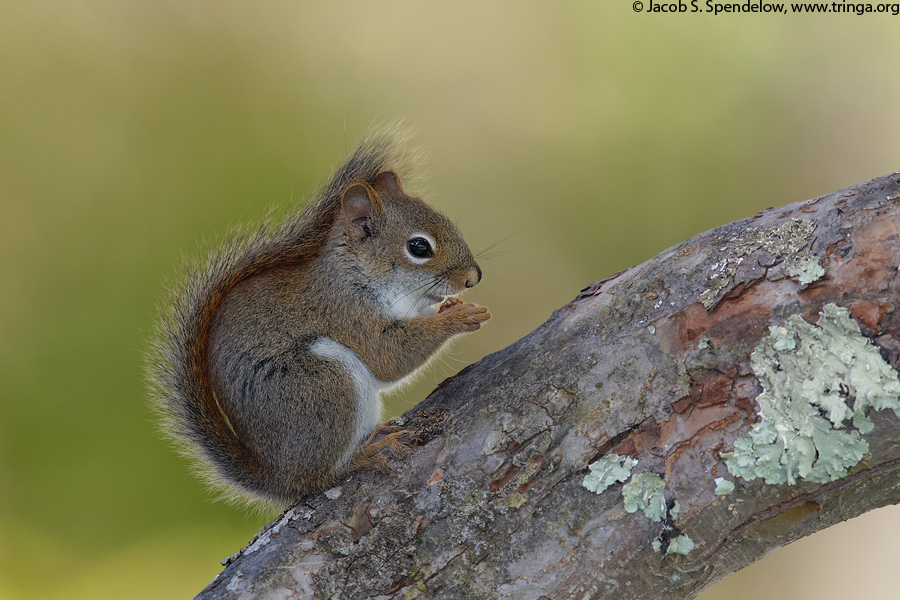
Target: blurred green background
(585,136)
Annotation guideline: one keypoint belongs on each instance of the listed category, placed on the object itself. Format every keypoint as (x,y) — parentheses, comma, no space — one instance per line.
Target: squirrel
(270,364)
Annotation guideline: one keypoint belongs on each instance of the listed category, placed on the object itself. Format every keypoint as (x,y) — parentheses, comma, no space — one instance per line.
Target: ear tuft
(387,182)
(360,204)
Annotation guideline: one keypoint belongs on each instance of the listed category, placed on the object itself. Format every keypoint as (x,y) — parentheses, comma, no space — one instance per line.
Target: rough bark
(653,363)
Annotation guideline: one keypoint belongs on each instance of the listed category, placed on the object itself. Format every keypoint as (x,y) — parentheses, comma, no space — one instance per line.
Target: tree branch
(669,363)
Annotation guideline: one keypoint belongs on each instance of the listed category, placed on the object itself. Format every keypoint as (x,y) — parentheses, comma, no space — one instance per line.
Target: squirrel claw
(451,301)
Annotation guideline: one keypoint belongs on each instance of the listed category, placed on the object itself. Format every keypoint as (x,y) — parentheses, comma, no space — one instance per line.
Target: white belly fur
(368,390)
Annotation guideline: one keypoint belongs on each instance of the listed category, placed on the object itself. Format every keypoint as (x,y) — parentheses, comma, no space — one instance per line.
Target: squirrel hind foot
(384,441)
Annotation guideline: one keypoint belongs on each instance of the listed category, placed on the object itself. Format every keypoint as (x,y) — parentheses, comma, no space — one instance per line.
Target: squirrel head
(413,255)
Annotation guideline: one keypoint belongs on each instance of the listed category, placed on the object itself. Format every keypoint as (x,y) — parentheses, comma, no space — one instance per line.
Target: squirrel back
(263,381)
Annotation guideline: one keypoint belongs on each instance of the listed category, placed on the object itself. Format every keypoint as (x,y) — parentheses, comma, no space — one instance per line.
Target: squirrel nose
(474,277)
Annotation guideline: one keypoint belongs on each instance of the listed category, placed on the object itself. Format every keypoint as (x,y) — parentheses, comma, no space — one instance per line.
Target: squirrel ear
(387,181)
(360,203)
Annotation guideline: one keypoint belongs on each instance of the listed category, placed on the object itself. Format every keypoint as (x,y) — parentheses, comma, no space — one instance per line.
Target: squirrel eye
(419,247)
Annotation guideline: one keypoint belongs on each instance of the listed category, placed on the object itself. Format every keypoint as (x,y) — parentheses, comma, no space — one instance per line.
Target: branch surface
(655,364)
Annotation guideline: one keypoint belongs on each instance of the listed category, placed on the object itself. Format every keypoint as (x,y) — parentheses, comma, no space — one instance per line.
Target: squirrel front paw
(463,317)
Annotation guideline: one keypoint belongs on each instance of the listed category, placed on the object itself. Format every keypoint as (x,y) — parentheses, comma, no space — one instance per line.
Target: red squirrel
(270,365)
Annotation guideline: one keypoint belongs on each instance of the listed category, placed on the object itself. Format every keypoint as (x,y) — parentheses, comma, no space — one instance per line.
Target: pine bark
(652,363)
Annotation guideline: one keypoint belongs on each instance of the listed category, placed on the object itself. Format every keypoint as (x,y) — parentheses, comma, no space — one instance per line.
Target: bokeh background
(583,137)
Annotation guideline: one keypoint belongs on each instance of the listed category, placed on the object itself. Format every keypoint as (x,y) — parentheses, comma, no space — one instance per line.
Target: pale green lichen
(607,471)
(680,545)
(818,382)
(787,241)
(806,269)
(645,491)
(723,486)
(676,508)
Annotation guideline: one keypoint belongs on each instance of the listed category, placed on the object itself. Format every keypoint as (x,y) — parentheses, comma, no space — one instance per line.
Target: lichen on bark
(787,242)
(815,379)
